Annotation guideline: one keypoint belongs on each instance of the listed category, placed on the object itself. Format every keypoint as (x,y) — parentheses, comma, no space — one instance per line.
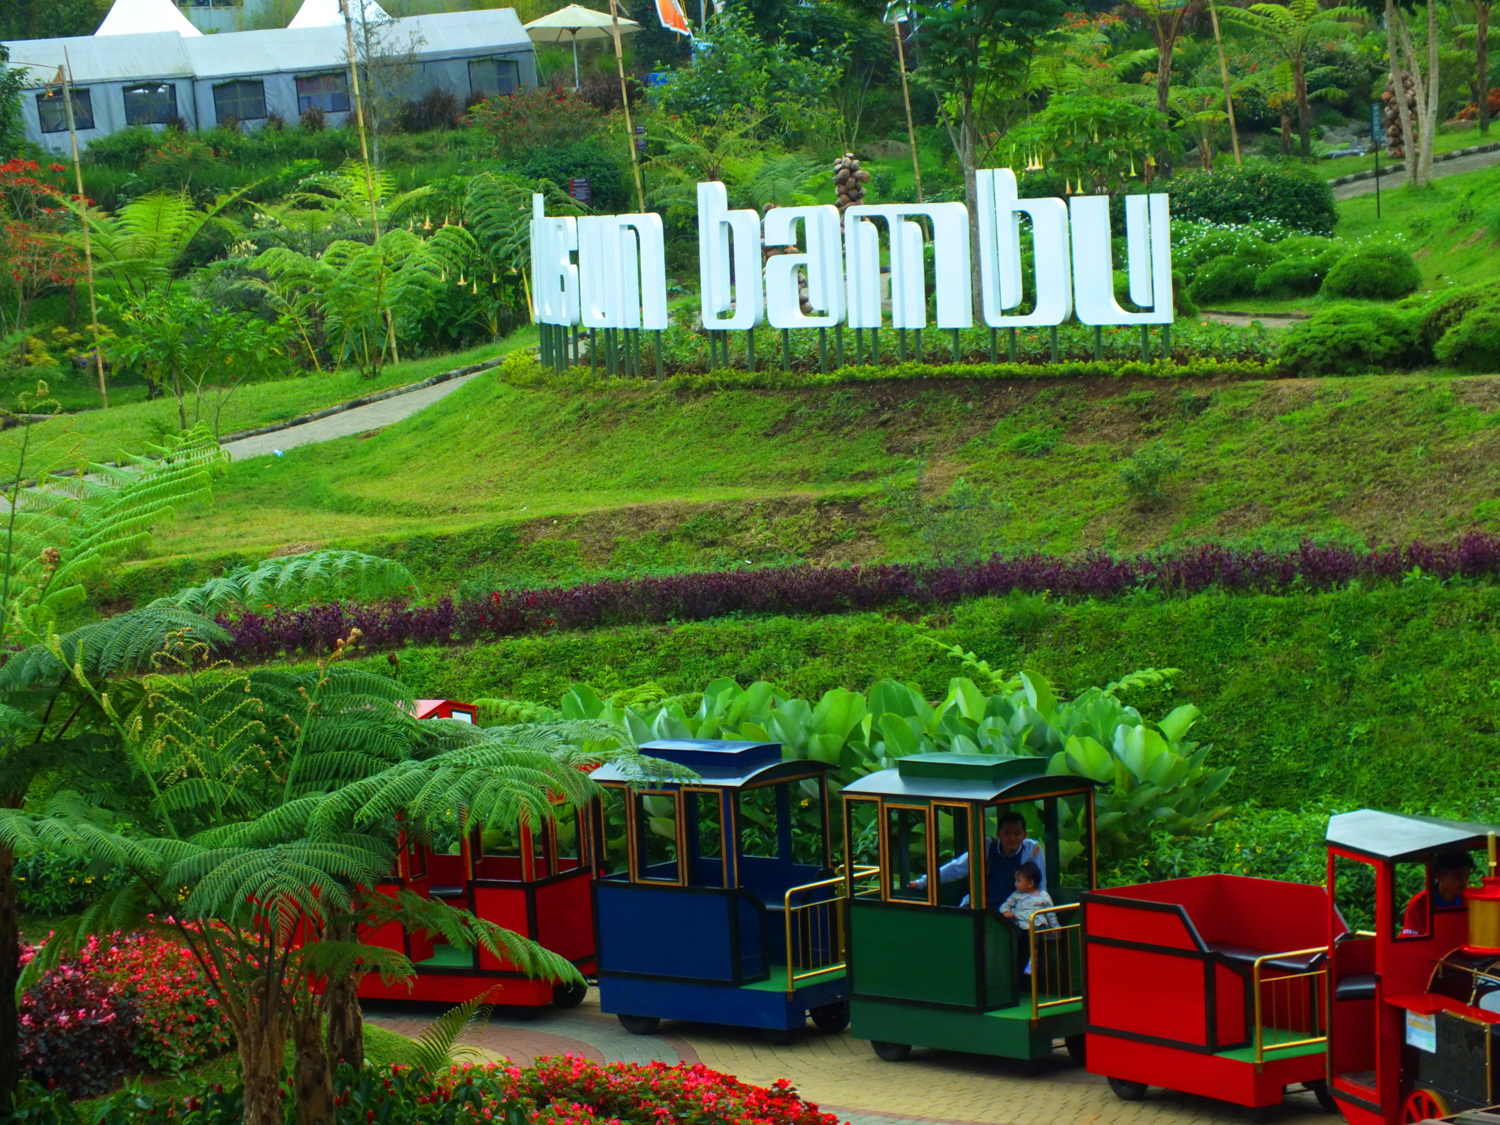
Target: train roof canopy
(1398,836)
(717,762)
(968,777)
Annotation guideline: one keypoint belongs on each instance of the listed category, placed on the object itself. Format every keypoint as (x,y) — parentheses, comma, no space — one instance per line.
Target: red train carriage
(1416,1001)
(1213,985)
(535,882)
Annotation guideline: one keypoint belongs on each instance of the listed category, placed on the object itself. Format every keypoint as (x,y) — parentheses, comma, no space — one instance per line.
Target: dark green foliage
(1290,194)
(12,131)
(1224,279)
(588,159)
(1353,340)
(1302,693)
(1300,267)
(1147,473)
(1380,273)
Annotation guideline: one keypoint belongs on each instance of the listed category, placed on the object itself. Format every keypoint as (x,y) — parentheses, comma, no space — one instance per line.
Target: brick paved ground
(843,1076)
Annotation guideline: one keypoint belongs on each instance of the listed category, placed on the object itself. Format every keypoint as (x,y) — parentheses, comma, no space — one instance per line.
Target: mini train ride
(715,899)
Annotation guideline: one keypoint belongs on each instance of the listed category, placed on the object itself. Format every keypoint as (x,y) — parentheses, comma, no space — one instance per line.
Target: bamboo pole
(1234,133)
(66,73)
(911,132)
(364,156)
(635,159)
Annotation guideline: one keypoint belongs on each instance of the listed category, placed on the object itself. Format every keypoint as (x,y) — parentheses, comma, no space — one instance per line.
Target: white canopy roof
(323,13)
(139,17)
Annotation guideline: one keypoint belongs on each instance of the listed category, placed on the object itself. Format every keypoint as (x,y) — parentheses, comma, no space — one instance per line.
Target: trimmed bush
(1353,340)
(1290,194)
(1224,279)
(585,159)
(1295,276)
(1378,273)
(1462,327)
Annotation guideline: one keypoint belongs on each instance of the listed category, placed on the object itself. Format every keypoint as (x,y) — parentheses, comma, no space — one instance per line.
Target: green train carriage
(930,963)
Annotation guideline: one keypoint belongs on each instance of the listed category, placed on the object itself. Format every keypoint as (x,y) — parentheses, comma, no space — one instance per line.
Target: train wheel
(891,1052)
(638,1025)
(831,1018)
(569,995)
(1074,1044)
(783,1036)
(1126,1090)
(1320,1091)
(1422,1104)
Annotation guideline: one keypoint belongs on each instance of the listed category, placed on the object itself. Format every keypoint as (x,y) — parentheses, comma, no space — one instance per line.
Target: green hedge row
(1385,696)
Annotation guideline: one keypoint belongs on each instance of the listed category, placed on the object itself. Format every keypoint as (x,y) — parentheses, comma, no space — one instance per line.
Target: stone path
(360,420)
(1470,163)
(843,1076)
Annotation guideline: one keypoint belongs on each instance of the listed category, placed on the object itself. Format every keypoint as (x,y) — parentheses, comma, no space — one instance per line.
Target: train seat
(1355,986)
(1248,955)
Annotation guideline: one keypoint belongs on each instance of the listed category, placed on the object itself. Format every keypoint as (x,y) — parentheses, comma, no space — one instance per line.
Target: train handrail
(827,925)
(1317,1012)
(1059,939)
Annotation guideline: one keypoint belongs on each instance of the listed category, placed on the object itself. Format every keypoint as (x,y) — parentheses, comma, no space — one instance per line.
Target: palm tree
(1164,20)
(1293,28)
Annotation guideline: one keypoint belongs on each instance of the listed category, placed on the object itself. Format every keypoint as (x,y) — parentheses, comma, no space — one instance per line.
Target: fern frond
(437,1046)
(318,576)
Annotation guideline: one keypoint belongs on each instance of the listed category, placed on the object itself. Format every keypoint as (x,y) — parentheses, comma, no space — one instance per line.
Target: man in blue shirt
(1003,853)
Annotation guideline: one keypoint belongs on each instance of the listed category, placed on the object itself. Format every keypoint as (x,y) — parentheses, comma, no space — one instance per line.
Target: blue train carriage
(716,900)
(931,960)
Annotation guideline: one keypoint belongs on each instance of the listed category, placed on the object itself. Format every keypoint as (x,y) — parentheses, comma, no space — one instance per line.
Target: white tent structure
(142,17)
(326,13)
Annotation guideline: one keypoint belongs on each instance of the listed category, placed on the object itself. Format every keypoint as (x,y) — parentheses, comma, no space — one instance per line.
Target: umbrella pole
(576,83)
(635,160)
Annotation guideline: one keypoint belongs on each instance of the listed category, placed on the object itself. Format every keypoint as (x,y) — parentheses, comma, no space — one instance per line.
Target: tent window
(152,104)
(494,76)
(242,101)
(53,115)
(328,92)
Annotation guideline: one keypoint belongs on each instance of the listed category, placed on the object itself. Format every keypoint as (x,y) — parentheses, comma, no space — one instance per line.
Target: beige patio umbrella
(573,23)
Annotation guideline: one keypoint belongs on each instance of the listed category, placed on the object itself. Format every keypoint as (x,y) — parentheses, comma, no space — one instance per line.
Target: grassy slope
(102,434)
(557,486)
(1442,224)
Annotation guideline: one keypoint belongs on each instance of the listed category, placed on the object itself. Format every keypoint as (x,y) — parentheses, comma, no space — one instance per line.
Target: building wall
(107,100)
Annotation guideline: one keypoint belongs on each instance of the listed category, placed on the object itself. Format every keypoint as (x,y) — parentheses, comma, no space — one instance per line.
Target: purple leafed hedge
(814,589)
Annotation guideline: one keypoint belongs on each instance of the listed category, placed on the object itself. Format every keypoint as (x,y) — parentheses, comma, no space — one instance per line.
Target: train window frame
(886,867)
(729,874)
(600,810)
(863,888)
(638,829)
(968,811)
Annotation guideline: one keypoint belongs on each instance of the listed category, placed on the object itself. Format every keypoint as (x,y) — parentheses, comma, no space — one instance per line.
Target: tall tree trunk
(1482,60)
(1286,132)
(346,1025)
(262,1051)
(10,970)
(1430,105)
(1394,21)
(1164,43)
(1304,108)
(312,1071)
(968,148)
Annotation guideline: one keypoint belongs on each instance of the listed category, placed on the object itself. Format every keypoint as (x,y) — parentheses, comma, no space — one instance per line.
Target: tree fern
(301,578)
(437,1046)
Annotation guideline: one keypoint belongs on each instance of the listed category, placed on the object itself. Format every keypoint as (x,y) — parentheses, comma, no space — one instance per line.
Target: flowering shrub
(808,589)
(77,1029)
(121,1004)
(564,1091)
(534,120)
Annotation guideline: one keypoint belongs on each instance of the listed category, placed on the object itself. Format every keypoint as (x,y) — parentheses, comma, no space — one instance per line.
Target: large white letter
(1001,286)
(716,222)
(1148,242)
(554,277)
(622,269)
(950,243)
(823,260)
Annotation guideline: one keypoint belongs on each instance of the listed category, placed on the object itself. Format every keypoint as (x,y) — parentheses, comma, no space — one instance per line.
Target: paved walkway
(1471,163)
(843,1076)
(347,423)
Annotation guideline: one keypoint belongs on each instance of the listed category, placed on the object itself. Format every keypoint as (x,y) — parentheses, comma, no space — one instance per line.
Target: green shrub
(586,159)
(1474,342)
(1224,279)
(1290,194)
(1353,340)
(1147,473)
(1380,273)
(1297,275)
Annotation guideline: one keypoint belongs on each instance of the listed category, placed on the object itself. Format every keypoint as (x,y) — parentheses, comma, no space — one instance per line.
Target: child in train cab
(1450,878)
(1030,897)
